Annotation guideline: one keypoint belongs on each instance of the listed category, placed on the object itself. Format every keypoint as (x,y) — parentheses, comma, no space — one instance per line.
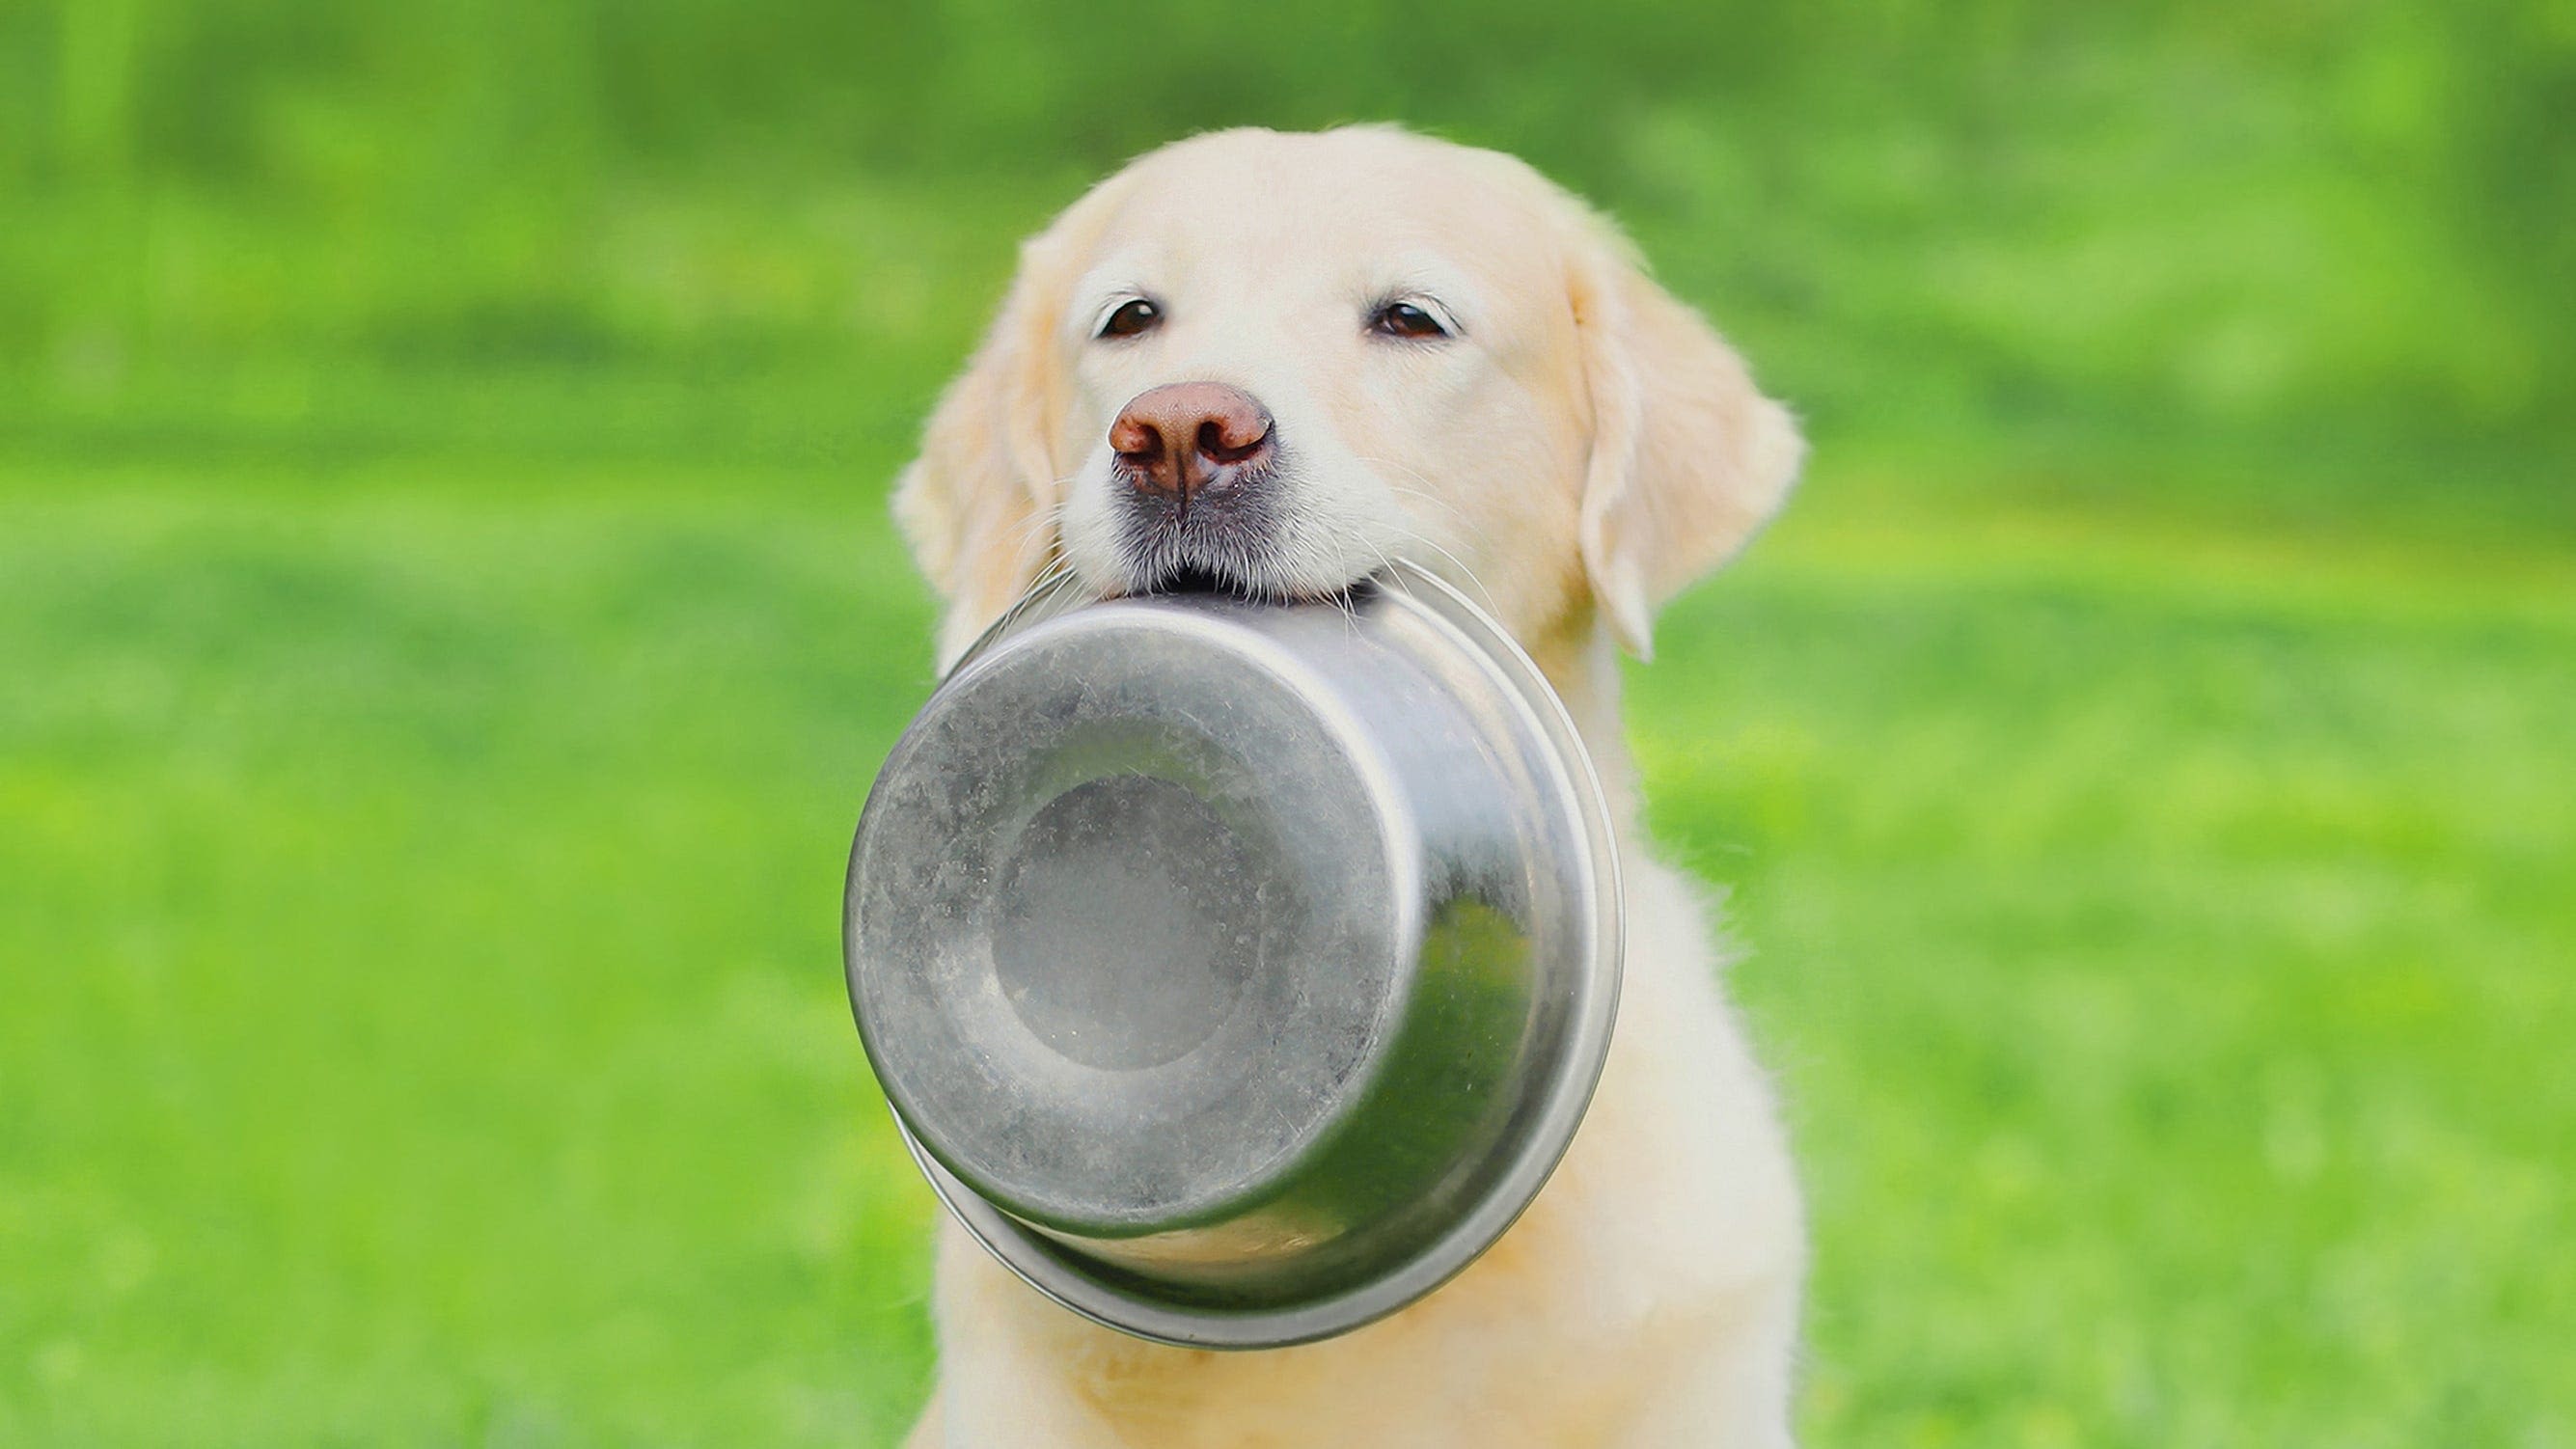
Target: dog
(1268,363)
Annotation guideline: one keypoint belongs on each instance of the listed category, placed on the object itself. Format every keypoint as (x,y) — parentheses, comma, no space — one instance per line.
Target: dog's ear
(978,506)
(1688,457)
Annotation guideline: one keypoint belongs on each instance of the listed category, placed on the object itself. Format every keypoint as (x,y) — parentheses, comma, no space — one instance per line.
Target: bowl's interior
(1136,912)
(1127,916)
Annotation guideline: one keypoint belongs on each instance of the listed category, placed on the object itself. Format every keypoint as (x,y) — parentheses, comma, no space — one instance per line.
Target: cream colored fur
(1581,449)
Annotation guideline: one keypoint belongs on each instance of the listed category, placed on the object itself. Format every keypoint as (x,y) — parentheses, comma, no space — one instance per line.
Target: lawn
(418,876)
(448,622)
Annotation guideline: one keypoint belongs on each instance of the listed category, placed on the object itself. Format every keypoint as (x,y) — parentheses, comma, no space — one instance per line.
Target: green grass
(447,624)
(423,1018)
(2165,943)
(418,893)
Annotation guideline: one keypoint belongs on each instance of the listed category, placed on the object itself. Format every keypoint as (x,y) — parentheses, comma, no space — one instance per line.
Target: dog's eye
(1132,316)
(1406,319)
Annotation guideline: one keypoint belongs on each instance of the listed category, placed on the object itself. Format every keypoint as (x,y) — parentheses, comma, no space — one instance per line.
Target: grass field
(448,622)
(418,871)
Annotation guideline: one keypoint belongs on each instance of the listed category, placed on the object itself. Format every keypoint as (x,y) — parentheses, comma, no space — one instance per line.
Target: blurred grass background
(448,623)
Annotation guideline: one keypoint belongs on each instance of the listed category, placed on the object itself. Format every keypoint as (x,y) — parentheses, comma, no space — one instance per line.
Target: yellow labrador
(1269,362)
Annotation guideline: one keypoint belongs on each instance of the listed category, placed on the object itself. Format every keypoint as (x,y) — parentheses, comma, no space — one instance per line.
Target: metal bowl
(1237,973)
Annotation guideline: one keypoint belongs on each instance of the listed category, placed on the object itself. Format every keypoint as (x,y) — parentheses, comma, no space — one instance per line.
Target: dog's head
(1271,362)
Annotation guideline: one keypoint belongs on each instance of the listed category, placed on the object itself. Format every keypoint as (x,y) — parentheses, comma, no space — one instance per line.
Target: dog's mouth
(1200,580)
(1197,579)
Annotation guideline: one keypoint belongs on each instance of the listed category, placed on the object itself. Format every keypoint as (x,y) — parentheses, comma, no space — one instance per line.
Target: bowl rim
(1108,1297)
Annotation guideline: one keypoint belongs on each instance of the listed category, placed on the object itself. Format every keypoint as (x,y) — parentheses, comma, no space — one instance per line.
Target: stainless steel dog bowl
(1237,973)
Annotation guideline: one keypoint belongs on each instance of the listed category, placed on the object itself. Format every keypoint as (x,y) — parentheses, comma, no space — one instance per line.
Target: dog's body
(1267,363)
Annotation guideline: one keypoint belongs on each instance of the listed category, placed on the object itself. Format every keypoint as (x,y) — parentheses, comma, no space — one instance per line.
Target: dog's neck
(1581,659)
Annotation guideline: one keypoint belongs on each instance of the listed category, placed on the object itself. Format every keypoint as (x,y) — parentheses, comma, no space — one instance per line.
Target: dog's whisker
(1417,536)
(1466,574)
(1048,519)
(1052,577)
(1424,494)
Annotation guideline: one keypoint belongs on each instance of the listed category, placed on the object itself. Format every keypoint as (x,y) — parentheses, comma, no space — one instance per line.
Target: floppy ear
(978,505)
(1688,458)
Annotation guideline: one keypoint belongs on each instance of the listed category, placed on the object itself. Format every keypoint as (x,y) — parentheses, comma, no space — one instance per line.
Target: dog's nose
(1174,440)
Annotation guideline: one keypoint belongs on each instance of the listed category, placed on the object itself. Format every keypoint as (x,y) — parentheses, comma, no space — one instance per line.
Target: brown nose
(1175,440)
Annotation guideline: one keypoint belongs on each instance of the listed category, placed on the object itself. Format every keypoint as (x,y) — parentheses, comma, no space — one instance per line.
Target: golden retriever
(1270,362)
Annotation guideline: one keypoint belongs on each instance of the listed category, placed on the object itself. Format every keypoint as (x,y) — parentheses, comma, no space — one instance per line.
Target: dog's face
(1271,363)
